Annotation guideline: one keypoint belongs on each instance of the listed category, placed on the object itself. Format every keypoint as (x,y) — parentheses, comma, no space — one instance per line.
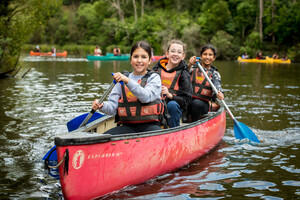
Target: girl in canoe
(137,102)
(202,92)
(176,84)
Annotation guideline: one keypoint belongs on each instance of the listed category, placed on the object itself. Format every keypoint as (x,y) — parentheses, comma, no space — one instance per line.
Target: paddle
(84,122)
(241,131)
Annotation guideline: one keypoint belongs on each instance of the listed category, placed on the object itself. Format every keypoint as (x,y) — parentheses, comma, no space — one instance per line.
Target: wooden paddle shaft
(216,91)
(100,101)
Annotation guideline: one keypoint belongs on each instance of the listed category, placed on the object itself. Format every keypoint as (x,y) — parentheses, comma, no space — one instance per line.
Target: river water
(265,97)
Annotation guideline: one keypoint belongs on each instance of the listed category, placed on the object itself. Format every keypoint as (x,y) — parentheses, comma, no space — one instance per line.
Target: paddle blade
(75,123)
(242,131)
(52,156)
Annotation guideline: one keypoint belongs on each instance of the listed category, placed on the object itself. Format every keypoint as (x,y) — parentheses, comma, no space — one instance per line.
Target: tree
(261,12)
(135,12)
(142,7)
(18,19)
(245,16)
(223,42)
(117,5)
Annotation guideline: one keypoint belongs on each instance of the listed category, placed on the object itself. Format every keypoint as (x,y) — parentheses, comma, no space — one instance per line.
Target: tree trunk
(116,4)
(273,20)
(261,11)
(142,7)
(135,12)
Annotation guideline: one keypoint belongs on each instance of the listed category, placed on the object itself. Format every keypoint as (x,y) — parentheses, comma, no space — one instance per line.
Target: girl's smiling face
(208,57)
(175,55)
(140,61)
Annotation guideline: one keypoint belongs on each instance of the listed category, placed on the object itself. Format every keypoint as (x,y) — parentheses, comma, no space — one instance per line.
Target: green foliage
(18,20)
(223,42)
(214,17)
(231,25)
(246,14)
(294,53)
(252,44)
(288,23)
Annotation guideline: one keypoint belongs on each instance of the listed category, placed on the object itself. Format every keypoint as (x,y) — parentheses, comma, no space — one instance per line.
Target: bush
(223,42)
(294,53)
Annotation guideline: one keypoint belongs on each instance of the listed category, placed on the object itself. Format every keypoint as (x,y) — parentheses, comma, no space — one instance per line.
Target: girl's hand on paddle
(192,61)
(165,92)
(220,95)
(120,77)
(96,105)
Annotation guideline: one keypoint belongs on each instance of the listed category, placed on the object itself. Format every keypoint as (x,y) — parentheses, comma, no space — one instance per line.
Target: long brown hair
(144,45)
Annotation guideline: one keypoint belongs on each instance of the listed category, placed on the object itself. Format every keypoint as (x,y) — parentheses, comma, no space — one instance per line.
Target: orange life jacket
(170,80)
(132,110)
(201,87)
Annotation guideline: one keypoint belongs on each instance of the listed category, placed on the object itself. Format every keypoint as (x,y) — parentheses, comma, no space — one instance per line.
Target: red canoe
(157,58)
(97,164)
(63,54)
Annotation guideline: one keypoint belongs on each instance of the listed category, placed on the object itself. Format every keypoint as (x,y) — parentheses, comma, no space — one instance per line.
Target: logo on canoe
(78,159)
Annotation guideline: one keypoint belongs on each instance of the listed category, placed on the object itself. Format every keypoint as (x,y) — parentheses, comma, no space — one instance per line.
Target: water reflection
(97,65)
(36,108)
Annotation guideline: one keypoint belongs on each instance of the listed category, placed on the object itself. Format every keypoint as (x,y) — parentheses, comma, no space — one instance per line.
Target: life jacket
(132,110)
(201,87)
(170,80)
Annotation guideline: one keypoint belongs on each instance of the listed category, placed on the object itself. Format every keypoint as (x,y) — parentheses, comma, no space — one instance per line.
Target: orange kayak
(63,54)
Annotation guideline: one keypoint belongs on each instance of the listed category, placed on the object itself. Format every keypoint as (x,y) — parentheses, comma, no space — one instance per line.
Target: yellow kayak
(267,60)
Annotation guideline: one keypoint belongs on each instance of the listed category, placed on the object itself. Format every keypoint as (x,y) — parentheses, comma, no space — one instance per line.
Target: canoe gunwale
(81,137)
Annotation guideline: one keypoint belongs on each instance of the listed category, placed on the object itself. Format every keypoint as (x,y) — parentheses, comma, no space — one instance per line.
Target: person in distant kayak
(117,51)
(203,96)
(284,57)
(275,56)
(37,49)
(137,102)
(97,51)
(53,51)
(259,55)
(245,56)
(176,84)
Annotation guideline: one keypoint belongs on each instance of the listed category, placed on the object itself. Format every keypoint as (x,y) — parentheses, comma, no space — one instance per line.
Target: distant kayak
(63,54)
(109,56)
(267,60)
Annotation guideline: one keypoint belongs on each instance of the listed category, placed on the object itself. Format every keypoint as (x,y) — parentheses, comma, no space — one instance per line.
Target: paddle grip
(115,82)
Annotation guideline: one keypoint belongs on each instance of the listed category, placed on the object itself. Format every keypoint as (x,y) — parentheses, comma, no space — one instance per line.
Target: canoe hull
(267,60)
(100,168)
(63,54)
